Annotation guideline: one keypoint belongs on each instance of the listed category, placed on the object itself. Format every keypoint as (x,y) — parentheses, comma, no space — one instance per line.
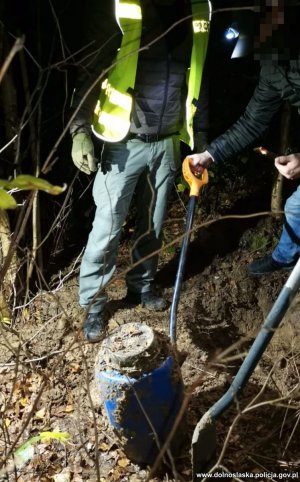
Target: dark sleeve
(99,47)
(259,112)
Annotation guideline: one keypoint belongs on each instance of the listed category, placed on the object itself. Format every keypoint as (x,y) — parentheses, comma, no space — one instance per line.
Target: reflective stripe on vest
(112,115)
(201,16)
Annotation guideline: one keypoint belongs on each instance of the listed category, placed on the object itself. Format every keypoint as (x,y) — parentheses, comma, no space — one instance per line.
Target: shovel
(195,183)
(204,437)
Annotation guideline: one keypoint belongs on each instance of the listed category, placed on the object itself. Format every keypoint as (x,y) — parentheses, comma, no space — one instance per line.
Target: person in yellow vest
(140,109)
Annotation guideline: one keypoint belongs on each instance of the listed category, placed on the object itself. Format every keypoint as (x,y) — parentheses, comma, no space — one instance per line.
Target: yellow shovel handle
(195,183)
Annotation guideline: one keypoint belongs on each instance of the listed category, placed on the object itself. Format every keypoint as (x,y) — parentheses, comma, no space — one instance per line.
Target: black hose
(260,343)
(180,271)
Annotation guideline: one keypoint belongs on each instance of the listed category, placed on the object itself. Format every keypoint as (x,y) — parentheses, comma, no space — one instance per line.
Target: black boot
(148,300)
(267,265)
(94,327)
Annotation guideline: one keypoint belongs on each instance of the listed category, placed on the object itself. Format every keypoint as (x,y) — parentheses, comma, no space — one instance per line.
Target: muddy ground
(47,369)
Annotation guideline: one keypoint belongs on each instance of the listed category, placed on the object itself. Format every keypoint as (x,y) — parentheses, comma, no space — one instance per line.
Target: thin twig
(17,46)
(97,455)
(32,360)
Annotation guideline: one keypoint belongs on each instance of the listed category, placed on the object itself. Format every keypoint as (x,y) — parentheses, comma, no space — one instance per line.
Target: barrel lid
(131,347)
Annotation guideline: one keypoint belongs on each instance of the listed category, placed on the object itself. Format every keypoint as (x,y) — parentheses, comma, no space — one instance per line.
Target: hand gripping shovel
(196,184)
(204,437)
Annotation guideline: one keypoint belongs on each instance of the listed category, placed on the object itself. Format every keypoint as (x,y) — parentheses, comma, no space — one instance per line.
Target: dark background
(54,33)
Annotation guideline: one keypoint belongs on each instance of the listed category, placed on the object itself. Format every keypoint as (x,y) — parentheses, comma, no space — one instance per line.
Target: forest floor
(47,369)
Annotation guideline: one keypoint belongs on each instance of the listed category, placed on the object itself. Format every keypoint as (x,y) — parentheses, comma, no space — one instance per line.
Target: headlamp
(231,33)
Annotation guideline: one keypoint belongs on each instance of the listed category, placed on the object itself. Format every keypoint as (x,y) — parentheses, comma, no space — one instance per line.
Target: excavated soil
(47,369)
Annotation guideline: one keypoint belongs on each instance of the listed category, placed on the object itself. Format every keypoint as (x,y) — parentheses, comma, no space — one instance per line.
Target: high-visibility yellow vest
(111,121)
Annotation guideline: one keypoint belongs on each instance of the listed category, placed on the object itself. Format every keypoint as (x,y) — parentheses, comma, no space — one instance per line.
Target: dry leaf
(116,474)
(123,462)
(6,320)
(104,447)
(59,411)
(69,408)
(64,476)
(23,401)
(40,414)
(75,367)
(26,314)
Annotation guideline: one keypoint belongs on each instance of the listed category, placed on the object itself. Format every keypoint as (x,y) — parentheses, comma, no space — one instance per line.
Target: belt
(150,137)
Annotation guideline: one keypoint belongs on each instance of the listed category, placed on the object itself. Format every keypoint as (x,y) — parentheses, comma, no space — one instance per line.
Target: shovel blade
(203,445)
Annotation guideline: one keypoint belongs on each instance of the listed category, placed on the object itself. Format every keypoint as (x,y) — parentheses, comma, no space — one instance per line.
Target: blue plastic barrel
(142,397)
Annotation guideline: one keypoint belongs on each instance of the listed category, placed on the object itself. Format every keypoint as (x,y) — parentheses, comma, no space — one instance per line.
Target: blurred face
(274,16)
(275,39)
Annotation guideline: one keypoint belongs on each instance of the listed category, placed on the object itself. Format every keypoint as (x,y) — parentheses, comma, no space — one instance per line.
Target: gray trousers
(148,169)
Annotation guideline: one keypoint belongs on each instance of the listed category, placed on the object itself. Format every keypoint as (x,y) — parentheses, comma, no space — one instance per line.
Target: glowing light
(231,33)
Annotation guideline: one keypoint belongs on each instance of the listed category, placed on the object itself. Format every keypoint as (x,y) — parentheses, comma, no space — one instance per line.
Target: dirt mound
(47,370)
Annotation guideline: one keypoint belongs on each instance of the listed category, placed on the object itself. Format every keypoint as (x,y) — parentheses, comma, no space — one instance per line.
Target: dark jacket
(276,85)
(160,87)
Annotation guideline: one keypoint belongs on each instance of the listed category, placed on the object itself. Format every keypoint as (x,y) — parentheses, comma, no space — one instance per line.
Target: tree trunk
(9,111)
(7,286)
(36,259)
(276,197)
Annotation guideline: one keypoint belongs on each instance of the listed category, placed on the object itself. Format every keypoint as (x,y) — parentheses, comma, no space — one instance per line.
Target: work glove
(83,153)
